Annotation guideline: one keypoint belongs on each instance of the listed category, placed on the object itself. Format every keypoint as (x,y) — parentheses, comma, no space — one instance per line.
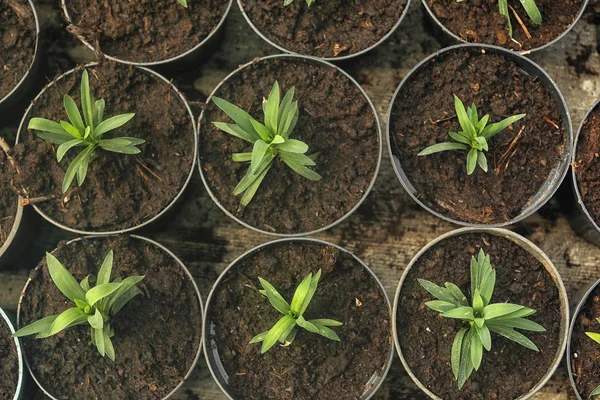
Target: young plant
(596,338)
(473,136)
(480,317)
(288,2)
(530,7)
(95,304)
(270,140)
(87,133)
(286,328)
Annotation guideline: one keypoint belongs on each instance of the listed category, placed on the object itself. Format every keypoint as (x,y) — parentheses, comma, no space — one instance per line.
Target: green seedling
(95,304)
(596,338)
(286,327)
(288,2)
(530,7)
(480,317)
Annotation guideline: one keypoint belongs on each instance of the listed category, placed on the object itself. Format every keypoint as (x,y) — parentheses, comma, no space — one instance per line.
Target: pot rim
(532,249)
(206,323)
(169,205)
(11,328)
(565,157)
(160,247)
(67,17)
(375,172)
(14,229)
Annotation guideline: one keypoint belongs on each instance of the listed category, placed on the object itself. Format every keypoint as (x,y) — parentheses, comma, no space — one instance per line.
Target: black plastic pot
(4,319)
(211,351)
(175,200)
(557,174)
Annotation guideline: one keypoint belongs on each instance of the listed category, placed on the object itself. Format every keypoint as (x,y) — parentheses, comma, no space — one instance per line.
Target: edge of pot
(162,248)
(21,379)
(205,323)
(552,183)
(169,205)
(13,231)
(532,249)
(367,191)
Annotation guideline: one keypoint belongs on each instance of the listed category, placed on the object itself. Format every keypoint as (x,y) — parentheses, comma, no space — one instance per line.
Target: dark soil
(8,200)
(509,370)
(156,337)
(335,120)
(585,353)
(312,367)
(424,113)
(9,367)
(587,164)
(145,31)
(120,191)
(17,43)
(480,21)
(328,28)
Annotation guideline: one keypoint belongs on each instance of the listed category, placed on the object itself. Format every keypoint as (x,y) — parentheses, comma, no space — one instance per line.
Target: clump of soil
(328,28)
(312,367)
(587,164)
(17,43)
(508,370)
(8,200)
(9,367)
(147,30)
(520,157)
(585,353)
(480,21)
(335,120)
(157,335)
(120,191)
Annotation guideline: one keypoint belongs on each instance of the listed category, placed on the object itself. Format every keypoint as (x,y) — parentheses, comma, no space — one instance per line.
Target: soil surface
(120,191)
(585,353)
(156,337)
(17,43)
(587,164)
(520,157)
(328,28)
(480,21)
(9,199)
(312,367)
(147,30)
(9,367)
(508,370)
(335,120)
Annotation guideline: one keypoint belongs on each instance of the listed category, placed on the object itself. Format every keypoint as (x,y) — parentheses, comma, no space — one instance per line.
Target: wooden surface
(389,228)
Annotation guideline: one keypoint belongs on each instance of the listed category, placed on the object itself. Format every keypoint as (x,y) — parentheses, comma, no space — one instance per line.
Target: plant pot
(12,366)
(157,338)
(348,291)
(527,161)
(525,276)
(583,354)
(468,22)
(170,34)
(18,70)
(121,192)
(336,118)
(329,30)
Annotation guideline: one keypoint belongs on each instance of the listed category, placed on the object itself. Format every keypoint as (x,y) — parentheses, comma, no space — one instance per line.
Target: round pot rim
(567,151)
(160,247)
(14,229)
(20,357)
(375,172)
(523,52)
(217,27)
(35,55)
(580,306)
(388,362)
(532,249)
(190,173)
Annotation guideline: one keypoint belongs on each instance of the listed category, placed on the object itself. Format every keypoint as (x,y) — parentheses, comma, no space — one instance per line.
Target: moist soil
(335,120)
(329,28)
(147,30)
(17,43)
(157,335)
(9,199)
(480,21)
(585,353)
(120,191)
(9,367)
(508,370)
(520,158)
(587,163)
(312,367)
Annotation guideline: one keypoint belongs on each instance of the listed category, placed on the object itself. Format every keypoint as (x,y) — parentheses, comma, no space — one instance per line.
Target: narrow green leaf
(54,137)
(85,285)
(36,327)
(275,332)
(71,317)
(86,101)
(297,158)
(500,309)
(119,149)
(63,279)
(82,171)
(71,130)
(253,188)
(314,282)
(263,131)
(444,146)
(483,123)
(594,336)
(457,294)
(476,351)
(437,291)
(259,338)
(241,157)
(301,169)
(477,302)
(106,269)
(96,321)
(325,331)
(484,336)
(108,345)
(258,154)
(99,110)
(465,313)
(482,142)
(276,299)
(271,108)
(326,322)
(440,306)
(595,392)
(250,177)
(301,294)
(237,131)
(291,120)
(524,312)
(123,295)
(466,365)
(294,146)
(493,129)
(532,11)
(113,123)
(99,341)
(73,113)
(457,346)
(503,8)
(522,323)
(284,110)
(513,335)
(463,118)
(471,161)
(460,138)
(63,148)
(101,291)
(239,116)
(74,167)
(45,125)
